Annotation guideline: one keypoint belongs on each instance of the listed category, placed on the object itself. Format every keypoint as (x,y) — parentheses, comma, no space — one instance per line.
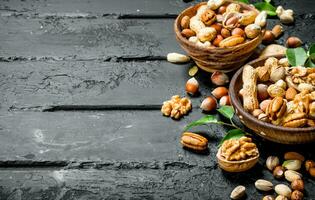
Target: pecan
(194,141)
(208,17)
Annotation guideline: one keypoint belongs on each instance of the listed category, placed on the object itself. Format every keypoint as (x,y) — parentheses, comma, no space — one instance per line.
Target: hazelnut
(217,27)
(225,100)
(222,10)
(262,92)
(309,164)
(268,37)
(192,86)
(297,184)
(225,33)
(264,104)
(217,40)
(293,42)
(277,30)
(239,32)
(208,104)
(272,162)
(188,33)
(278,172)
(219,78)
(252,30)
(297,195)
(312,172)
(184,23)
(220,92)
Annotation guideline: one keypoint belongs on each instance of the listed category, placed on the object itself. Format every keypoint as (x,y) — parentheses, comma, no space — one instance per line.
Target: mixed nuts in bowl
(220,35)
(276,100)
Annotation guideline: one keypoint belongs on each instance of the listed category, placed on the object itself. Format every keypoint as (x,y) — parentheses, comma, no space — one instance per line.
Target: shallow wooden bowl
(216,58)
(266,130)
(236,166)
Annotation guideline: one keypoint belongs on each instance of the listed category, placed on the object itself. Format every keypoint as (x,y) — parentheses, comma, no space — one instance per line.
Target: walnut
(276,110)
(176,107)
(239,149)
(208,17)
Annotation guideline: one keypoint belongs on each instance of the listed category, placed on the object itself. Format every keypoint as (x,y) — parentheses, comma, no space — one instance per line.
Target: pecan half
(194,141)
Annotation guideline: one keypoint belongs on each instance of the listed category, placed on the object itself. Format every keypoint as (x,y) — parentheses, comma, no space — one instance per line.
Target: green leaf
(232,134)
(267,1)
(296,56)
(265,6)
(244,1)
(310,63)
(202,121)
(226,111)
(311,49)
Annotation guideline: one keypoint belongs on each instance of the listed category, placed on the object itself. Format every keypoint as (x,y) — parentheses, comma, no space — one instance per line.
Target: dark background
(99,68)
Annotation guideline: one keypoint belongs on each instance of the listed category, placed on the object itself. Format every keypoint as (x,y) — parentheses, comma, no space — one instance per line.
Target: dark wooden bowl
(216,58)
(268,131)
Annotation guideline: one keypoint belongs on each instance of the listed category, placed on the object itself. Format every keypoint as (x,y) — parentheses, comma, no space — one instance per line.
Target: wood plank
(141,136)
(136,7)
(84,38)
(196,183)
(28,84)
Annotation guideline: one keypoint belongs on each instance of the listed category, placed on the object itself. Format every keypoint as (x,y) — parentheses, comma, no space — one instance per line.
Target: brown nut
(208,17)
(268,197)
(239,32)
(278,172)
(194,141)
(220,92)
(257,112)
(264,104)
(276,110)
(184,23)
(275,91)
(225,101)
(263,117)
(252,30)
(217,27)
(219,78)
(277,30)
(225,32)
(293,42)
(230,20)
(298,184)
(268,37)
(206,34)
(238,192)
(188,33)
(290,93)
(192,86)
(309,164)
(312,172)
(295,120)
(222,10)
(297,195)
(263,73)
(231,41)
(262,92)
(293,156)
(248,18)
(217,40)
(208,104)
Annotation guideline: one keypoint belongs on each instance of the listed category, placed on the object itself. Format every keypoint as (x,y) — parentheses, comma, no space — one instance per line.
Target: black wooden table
(81,87)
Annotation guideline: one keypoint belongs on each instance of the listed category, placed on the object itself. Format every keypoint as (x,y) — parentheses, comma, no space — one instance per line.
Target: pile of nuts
(222,24)
(176,107)
(239,149)
(280,94)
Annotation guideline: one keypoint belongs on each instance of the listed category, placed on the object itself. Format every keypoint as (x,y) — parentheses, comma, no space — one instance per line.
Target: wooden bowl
(216,58)
(236,166)
(266,130)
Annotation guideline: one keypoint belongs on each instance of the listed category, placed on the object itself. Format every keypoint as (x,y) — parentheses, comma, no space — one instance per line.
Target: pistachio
(277,73)
(184,23)
(285,16)
(277,30)
(248,18)
(293,156)
(281,197)
(206,34)
(238,192)
(231,41)
(263,117)
(252,30)
(283,190)
(272,162)
(230,20)
(177,58)
(215,4)
(291,175)
(261,19)
(275,91)
(278,172)
(293,42)
(292,164)
(297,195)
(194,141)
(263,185)
(297,184)
(233,7)
(268,197)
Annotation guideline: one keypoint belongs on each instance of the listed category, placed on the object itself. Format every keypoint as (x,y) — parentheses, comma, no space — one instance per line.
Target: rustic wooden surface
(81,86)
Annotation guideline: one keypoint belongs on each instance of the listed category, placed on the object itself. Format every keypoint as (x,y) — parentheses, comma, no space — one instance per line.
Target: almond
(184,23)
(188,33)
(293,156)
(290,93)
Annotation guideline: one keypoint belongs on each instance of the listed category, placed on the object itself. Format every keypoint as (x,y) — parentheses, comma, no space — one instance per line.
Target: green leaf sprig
(226,111)
(300,57)
(263,6)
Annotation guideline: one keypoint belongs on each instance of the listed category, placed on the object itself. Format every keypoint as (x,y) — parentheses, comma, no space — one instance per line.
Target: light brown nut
(238,31)
(294,156)
(298,184)
(296,123)
(264,104)
(217,40)
(276,109)
(297,195)
(288,118)
(277,30)
(220,92)
(231,41)
(252,30)
(208,104)
(292,164)
(293,42)
(268,37)
(309,164)
(312,172)
(238,192)
(263,117)
(215,4)
(206,34)
(219,78)
(250,101)
(284,190)
(188,33)
(177,58)
(194,141)
(291,175)
(281,197)
(263,73)
(248,18)
(263,185)
(222,10)
(275,91)
(233,7)
(231,20)
(262,92)
(208,17)
(268,197)
(196,25)
(225,33)
(277,73)
(290,93)
(257,112)
(278,172)
(217,27)
(225,101)
(184,23)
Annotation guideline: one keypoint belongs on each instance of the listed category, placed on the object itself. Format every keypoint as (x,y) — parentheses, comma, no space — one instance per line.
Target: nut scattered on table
(176,107)
(208,104)
(192,86)
(177,58)
(219,78)
(194,141)
(263,185)
(238,192)
(285,16)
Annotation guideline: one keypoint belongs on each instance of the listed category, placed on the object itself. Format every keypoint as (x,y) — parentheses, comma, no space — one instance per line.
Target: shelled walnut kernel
(239,149)
(176,107)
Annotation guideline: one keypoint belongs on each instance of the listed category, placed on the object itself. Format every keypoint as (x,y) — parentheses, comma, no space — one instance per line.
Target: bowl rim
(192,45)
(220,157)
(236,103)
